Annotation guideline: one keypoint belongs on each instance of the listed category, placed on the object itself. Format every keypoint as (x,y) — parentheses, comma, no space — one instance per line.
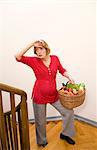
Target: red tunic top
(44,90)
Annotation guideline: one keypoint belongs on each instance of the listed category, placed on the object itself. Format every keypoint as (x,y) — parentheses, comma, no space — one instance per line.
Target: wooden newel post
(24,124)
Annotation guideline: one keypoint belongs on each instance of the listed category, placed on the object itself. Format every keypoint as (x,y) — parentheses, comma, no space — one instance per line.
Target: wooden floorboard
(86,137)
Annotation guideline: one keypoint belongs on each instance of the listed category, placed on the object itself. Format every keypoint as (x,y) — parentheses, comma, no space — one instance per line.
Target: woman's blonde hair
(42,44)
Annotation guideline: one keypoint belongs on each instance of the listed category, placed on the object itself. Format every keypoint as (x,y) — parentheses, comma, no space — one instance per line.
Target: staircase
(13,136)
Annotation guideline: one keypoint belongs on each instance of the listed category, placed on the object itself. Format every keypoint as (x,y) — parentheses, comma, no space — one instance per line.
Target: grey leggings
(40,121)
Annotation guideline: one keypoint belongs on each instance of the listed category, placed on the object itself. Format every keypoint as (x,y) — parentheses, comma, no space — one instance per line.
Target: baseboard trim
(93,123)
(76,117)
(53,118)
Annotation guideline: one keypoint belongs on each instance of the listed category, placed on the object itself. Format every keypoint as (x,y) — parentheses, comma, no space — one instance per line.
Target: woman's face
(40,52)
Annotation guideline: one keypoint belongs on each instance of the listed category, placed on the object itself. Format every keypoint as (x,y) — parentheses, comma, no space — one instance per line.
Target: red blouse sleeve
(60,67)
(28,61)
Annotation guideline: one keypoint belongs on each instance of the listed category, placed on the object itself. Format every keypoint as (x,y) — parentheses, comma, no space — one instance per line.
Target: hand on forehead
(38,44)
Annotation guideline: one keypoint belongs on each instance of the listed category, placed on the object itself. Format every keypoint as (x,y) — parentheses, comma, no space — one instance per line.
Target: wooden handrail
(12,89)
(13,136)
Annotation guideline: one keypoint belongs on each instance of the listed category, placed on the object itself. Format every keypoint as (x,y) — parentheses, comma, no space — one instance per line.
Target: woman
(45,67)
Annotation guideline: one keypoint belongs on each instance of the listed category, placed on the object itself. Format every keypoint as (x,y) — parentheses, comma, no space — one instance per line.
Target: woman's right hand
(37,43)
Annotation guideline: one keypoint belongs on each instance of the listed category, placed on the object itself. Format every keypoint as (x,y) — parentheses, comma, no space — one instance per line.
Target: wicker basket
(71,102)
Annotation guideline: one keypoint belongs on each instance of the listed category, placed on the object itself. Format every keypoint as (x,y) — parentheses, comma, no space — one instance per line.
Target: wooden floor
(86,137)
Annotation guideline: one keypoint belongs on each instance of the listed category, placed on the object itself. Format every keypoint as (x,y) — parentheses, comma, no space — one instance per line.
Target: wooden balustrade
(14,128)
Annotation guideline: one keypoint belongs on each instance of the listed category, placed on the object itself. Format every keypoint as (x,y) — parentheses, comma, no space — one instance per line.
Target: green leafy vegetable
(75,86)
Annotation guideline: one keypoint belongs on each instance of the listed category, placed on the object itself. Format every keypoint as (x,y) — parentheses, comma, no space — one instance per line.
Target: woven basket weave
(71,102)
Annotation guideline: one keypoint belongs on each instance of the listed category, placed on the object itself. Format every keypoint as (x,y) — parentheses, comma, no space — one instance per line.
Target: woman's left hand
(71,81)
(68,77)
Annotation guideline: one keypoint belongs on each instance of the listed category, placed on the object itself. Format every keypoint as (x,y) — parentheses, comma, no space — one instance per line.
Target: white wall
(96,59)
(69,27)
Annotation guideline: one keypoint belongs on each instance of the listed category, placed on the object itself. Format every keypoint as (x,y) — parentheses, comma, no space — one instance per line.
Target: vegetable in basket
(73,89)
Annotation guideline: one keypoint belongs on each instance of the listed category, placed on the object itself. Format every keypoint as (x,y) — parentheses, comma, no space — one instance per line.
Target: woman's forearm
(23,51)
(68,77)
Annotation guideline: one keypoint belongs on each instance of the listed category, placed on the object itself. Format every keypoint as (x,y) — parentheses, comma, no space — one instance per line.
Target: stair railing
(14,127)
